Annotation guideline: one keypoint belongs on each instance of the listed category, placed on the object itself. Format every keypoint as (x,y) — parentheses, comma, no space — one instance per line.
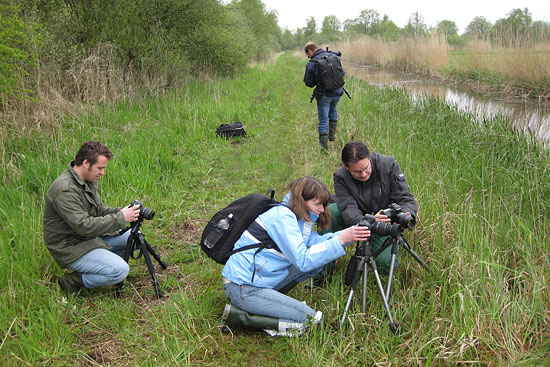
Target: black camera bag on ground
(330,74)
(233,130)
(244,211)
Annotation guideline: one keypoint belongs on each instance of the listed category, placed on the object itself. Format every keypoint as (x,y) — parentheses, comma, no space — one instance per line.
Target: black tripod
(136,241)
(364,258)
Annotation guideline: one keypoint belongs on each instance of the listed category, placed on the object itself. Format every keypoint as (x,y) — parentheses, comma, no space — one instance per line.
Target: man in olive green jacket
(79,231)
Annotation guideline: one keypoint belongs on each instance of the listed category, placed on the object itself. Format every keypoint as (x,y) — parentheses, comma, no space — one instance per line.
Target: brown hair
(90,150)
(310,46)
(304,189)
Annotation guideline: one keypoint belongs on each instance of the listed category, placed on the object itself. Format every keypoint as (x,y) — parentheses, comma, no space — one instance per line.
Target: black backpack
(330,73)
(233,130)
(218,240)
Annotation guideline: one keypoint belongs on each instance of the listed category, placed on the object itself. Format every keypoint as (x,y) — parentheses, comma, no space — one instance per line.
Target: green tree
(311,28)
(511,31)
(331,27)
(287,40)
(261,23)
(447,28)
(416,26)
(479,28)
(540,31)
(17,57)
(448,31)
(388,29)
(369,19)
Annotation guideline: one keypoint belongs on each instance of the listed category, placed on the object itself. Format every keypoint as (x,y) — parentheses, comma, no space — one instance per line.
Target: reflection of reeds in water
(523,71)
(531,118)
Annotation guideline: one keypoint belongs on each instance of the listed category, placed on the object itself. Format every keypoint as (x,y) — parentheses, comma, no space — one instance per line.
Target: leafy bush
(17,59)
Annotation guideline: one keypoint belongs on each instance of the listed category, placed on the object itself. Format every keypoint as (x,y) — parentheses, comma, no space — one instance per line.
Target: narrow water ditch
(528,117)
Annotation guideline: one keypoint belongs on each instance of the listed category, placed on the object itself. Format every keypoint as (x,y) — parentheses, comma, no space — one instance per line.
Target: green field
(484,212)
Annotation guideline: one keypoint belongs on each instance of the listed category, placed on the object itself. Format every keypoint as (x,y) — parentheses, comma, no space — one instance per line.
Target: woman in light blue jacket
(256,282)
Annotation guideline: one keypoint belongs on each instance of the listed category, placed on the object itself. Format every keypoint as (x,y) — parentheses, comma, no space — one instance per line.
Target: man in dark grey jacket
(366,184)
(79,231)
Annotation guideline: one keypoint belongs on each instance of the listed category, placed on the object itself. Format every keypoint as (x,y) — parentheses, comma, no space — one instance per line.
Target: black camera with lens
(381,228)
(144,212)
(396,214)
(337,53)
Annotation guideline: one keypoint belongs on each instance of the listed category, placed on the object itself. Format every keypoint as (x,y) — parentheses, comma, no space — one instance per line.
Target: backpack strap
(256,231)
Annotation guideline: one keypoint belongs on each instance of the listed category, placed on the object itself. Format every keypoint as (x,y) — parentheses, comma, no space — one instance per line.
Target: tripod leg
(393,325)
(390,276)
(406,246)
(365,274)
(150,266)
(353,285)
(155,255)
(348,303)
(127,251)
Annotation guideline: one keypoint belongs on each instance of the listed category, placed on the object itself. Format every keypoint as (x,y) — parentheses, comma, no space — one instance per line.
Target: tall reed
(513,71)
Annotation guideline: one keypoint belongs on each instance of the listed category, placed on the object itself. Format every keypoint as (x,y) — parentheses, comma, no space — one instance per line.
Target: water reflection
(524,117)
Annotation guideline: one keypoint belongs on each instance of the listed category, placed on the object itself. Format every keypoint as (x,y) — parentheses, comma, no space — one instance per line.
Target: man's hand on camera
(382,217)
(354,233)
(131,213)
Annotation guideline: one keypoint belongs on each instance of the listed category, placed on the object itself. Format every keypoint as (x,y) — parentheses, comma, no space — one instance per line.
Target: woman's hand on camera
(354,233)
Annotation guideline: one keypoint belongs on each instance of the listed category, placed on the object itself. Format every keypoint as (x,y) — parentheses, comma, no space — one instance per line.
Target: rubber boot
(332,129)
(71,283)
(323,140)
(235,317)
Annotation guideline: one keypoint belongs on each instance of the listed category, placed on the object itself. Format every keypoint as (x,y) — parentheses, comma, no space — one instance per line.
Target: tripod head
(136,241)
(381,228)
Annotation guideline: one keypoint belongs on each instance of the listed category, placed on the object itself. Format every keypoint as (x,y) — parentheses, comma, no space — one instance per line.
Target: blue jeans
(270,302)
(327,109)
(101,266)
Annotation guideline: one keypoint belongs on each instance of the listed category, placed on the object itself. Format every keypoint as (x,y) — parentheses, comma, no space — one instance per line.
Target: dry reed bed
(519,71)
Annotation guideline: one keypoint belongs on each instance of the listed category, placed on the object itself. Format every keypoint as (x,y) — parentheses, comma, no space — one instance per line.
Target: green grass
(483,193)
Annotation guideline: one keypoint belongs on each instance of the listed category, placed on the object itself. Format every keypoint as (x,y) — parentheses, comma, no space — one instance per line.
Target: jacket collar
(78,179)
(312,216)
(75,175)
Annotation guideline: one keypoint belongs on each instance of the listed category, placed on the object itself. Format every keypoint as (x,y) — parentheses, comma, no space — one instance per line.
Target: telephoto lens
(396,214)
(381,228)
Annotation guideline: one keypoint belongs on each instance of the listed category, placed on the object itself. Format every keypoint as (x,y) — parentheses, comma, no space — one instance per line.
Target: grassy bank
(484,200)
(512,72)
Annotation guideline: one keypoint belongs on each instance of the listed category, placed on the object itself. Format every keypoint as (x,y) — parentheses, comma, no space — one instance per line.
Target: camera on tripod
(137,242)
(381,228)
(396,214)
(144,212)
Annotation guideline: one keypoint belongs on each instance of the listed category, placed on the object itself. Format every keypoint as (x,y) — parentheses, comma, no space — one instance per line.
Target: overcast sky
(292,14)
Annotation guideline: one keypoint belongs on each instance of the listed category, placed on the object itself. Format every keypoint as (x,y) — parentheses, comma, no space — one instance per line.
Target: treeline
(517,29)
(60,44)
(97,49)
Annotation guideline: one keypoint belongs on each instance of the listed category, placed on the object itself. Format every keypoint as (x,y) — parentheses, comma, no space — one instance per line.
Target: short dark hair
(90,150)
(310,46)
(354,151)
